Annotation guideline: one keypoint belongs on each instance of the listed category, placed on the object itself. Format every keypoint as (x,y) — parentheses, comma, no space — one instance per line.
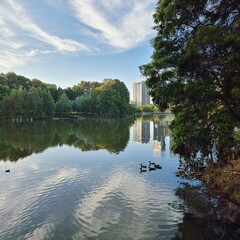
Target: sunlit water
(84,186)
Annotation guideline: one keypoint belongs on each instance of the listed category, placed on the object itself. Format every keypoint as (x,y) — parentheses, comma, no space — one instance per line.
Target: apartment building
(140,93)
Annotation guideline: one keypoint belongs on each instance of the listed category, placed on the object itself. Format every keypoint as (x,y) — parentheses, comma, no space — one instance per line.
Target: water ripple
(128,206)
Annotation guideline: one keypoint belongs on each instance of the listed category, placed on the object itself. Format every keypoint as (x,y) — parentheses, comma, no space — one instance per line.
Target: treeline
(22,97)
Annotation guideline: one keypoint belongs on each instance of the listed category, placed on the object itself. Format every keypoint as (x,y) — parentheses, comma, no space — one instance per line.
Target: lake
(81,180)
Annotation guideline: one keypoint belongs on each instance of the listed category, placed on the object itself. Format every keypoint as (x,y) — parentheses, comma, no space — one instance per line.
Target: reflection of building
(141,131)
(162,140)
(157,146)
(140,94)
(160,131)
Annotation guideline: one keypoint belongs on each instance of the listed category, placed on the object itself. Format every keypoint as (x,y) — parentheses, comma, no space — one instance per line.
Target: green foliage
(112,99)
(147,108)
(32,103)
(16,81)
(85,104)
(48,104)
(105,99)
(71,94)
(21,97)
(195,71)
(84,88)
(4,91)
(63,105)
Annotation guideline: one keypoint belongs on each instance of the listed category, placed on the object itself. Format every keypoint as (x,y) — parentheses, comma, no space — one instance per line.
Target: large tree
(195,70)
(113,99)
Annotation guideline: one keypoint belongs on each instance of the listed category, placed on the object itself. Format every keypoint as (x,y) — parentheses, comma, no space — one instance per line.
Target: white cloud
(103,26)
(28,25)
(112,4)
(121,25)
(35,52)
(18,34)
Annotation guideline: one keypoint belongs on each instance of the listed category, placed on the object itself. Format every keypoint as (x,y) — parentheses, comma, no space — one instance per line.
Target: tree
(86,104)
(113,99)
(85,87)
(52,88)
(119,88)
(71,94)
(63,105)
(195,70)
(15,81)
(37,83)
(48,104)
(4,91)
(8,105)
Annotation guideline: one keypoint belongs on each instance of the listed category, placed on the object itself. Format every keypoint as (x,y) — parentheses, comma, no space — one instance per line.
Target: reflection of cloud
(26,203)
(41,232)
(96,211)
(124,199)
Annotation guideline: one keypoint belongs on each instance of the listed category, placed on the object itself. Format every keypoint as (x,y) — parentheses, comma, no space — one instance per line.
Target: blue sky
(66,41)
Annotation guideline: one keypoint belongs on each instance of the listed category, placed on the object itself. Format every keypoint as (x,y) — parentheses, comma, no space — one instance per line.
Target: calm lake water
(81,180)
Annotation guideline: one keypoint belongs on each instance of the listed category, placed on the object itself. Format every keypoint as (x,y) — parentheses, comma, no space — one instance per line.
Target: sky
(67,41)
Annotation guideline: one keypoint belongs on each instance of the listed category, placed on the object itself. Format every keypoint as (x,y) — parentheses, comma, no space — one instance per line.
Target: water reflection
(160,129)
(19,140)
(70,187)
(141,131)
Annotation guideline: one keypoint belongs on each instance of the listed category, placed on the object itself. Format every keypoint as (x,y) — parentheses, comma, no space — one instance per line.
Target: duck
(142,166)
(151,163)
(158,166)
(151,168)
(143,170)
(8,170)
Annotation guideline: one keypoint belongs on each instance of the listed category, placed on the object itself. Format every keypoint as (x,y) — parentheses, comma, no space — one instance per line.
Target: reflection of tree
(112,135)
(18,140)
(191,228)
(205,217)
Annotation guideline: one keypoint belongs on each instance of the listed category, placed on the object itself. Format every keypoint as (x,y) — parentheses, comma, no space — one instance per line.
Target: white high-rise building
(140,94)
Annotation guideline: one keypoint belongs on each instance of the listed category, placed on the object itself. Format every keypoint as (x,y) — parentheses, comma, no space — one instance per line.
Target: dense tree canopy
(22,97)
(112,99)
(195,70)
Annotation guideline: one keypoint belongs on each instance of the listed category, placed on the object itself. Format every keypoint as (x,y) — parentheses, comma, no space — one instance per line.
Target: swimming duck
(142,166)
(158,166)
(151,163)
(143,170)
(151,168)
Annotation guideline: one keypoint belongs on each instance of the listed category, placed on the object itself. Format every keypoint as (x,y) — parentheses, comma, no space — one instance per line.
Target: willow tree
(195,70)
